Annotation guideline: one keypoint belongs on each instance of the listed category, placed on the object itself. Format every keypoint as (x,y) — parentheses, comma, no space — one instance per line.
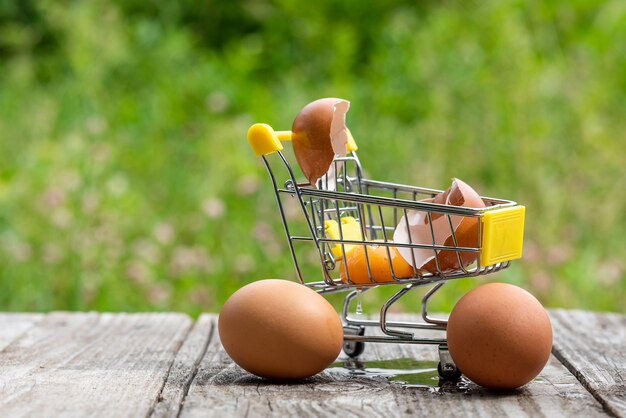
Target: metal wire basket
(347,211)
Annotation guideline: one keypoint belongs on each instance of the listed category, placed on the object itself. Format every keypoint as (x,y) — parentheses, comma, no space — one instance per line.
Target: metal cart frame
(377,208)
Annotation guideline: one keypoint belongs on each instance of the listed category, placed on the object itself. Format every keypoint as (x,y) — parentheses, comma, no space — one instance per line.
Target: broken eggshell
(417,226)
(319,134)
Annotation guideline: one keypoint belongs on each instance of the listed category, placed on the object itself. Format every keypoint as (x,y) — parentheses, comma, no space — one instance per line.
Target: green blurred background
(126,182)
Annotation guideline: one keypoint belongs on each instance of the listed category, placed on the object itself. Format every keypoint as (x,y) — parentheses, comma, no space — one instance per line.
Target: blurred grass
(126,182)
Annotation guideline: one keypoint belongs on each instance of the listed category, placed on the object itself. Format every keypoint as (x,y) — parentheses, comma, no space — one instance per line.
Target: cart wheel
(353,348)
(450,372)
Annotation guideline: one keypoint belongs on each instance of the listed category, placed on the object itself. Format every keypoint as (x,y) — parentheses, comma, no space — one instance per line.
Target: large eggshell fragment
(417,228)
(319,134)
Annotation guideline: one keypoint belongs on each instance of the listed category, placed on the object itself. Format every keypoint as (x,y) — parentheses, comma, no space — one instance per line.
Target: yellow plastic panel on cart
(351,230)
(503,235)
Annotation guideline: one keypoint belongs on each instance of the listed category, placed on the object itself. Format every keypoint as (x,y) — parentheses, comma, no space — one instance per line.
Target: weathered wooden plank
(88,364)
(593,347)
(220,388)
(554,393)
(184,368)
(12,325)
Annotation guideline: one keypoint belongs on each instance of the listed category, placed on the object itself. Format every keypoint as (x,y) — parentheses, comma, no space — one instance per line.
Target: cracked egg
(416,228)
(319,134)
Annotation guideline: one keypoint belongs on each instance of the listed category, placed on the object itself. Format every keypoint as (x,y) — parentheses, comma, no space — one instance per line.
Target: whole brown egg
(280,330)
(500,336)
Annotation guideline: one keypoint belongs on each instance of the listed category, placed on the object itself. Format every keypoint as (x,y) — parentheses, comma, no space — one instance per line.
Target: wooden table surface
(166,365)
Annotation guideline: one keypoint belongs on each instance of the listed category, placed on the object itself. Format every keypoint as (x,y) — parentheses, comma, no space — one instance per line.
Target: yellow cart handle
(264,140)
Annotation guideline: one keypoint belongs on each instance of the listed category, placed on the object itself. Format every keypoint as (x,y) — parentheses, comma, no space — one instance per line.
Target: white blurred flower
(15,247)
(217,102)
(190,259)
(213,207)
(21,251)
(532,252)
(89,292)
(610,272)
(74,143)
(138,272)
(53,198)
(117,185)
(163,232)
(90,201)
(61,218)
(262,232)
(51,253)
(70,180)
(247,185)
(559,254)
(244,263)
(96,124)
(100,152)
(201,296)
(146,250)
(159,294)
(292,208)
(540,281)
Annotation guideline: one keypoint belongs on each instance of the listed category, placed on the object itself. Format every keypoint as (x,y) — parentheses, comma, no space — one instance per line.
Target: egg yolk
(356,264)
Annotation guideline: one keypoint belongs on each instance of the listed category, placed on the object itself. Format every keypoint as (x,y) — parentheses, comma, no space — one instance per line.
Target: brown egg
(280,330)
(500,336)
(318,134)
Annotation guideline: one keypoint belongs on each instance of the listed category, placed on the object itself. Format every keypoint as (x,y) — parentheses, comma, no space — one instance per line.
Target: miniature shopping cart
(350,210)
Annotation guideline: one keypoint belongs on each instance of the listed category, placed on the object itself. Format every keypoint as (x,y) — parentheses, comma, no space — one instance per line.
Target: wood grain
(12,325)
(221,388)
(184,368)
(89,364)
(593,347)
(159,365)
